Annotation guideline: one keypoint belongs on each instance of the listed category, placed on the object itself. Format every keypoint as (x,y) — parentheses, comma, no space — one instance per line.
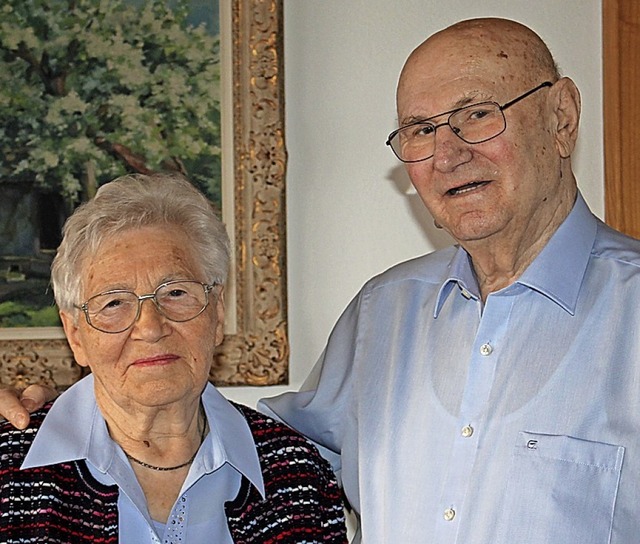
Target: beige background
(350,212)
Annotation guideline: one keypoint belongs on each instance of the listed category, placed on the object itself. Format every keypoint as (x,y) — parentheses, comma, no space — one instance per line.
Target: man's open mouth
(466,188)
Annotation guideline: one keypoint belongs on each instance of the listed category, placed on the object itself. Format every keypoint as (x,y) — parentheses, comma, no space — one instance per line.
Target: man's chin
(470,229)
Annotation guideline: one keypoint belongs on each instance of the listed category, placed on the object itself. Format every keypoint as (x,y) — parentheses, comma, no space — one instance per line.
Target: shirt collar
(461,275)
(556,273)
(74,429)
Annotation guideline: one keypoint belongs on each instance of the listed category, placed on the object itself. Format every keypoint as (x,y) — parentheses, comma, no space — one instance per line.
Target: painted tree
(91,89)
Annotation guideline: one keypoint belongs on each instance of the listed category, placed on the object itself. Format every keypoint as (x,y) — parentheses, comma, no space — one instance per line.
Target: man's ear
(72,332)
(566,103)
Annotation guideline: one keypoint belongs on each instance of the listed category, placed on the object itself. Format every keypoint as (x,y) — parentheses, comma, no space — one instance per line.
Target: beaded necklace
(176,467)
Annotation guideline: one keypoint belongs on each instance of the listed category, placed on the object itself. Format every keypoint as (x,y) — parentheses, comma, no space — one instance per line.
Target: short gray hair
(135,201)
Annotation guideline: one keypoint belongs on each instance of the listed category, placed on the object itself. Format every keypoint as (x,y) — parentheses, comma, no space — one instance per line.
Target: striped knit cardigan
(63,503)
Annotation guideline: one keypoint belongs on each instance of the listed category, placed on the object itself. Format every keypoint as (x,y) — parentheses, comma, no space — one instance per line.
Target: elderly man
(488,393)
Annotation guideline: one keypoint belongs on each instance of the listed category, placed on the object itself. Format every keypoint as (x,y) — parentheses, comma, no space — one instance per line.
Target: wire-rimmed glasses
(117,310)
(473,124)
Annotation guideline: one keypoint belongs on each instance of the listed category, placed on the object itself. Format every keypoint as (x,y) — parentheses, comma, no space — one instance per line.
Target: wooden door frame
(621,112)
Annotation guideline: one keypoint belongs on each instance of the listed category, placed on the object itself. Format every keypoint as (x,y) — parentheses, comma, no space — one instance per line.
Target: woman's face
(155,362)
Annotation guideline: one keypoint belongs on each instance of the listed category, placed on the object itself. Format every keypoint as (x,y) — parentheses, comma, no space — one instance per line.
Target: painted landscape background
(90,90)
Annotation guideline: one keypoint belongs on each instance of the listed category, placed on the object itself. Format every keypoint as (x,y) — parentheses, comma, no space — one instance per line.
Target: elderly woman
(144,449)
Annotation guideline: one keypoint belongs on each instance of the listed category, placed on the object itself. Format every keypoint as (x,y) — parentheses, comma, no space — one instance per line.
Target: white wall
(350,212)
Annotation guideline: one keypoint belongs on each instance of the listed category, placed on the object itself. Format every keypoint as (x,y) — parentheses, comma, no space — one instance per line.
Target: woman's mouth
(156,360)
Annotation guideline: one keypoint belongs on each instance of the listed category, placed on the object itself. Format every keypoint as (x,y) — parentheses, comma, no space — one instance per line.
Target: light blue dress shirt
(75,429)
(513,423)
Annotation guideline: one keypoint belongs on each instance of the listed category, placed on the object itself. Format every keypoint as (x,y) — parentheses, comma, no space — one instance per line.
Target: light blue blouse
(513,422)
(75,429)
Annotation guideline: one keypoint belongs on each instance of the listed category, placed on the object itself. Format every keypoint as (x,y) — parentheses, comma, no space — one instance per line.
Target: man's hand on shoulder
(15,405)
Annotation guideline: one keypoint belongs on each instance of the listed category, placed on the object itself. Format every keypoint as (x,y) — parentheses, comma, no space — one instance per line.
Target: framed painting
(252,164)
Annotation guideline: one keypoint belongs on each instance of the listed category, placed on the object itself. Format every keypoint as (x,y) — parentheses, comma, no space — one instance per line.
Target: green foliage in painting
(92,89)
(16,314)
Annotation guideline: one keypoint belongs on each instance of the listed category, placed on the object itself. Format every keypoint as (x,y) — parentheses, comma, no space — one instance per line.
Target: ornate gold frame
(256,352)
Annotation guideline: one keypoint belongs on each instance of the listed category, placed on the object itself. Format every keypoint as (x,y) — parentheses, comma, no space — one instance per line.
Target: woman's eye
(109,305)
(176,293)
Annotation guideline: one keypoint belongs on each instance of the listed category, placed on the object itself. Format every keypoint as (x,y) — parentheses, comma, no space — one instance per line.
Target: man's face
(500,189)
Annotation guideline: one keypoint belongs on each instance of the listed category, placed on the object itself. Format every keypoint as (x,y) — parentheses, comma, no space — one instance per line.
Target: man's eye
(479,114)
(476,115)
(422,130)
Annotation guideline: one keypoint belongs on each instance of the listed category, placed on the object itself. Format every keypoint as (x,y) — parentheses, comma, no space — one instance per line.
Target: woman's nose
(150,324)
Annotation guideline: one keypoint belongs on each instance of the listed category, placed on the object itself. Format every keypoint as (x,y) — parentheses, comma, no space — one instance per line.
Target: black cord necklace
(164,469)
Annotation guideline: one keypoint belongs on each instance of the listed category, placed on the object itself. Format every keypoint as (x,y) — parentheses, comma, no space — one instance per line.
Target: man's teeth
(466,188)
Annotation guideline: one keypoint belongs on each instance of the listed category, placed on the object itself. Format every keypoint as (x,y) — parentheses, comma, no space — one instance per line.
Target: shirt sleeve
(323,405)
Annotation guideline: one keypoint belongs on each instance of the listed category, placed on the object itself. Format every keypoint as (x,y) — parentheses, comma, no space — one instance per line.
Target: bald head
(511,44)
(504,51)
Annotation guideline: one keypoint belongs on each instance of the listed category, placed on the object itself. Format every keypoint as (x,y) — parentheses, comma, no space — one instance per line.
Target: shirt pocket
(560,490)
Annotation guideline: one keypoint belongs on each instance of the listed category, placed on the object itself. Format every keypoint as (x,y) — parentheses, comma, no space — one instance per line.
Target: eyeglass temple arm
(528,93)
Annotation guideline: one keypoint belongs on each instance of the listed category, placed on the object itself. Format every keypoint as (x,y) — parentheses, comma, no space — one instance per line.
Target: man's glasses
(116,311)
(473,124)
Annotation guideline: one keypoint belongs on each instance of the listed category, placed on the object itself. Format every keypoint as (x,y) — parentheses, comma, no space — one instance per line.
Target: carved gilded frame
(256,350)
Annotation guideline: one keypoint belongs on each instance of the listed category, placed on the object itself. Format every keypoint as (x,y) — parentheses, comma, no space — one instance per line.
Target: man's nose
(450,150)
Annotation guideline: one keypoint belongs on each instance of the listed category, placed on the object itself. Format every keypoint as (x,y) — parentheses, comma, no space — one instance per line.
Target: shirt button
(449,514)
(467,431)
(486,349)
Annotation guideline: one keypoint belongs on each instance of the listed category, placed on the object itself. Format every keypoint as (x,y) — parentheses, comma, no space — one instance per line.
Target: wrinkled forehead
(454,65)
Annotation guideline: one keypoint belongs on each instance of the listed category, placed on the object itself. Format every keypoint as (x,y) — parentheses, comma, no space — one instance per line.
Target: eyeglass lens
(473,124)
(116,311)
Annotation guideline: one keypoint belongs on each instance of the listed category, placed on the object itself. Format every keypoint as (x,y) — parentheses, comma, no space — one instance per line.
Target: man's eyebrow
(414,119)
(465,101)
(471,98)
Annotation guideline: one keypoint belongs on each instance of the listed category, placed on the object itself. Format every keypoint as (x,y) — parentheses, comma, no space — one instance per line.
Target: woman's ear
(219,310)
(72,332)
(566,104)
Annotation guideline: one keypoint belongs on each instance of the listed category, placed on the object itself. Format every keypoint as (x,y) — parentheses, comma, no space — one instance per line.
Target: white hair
(134,201)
